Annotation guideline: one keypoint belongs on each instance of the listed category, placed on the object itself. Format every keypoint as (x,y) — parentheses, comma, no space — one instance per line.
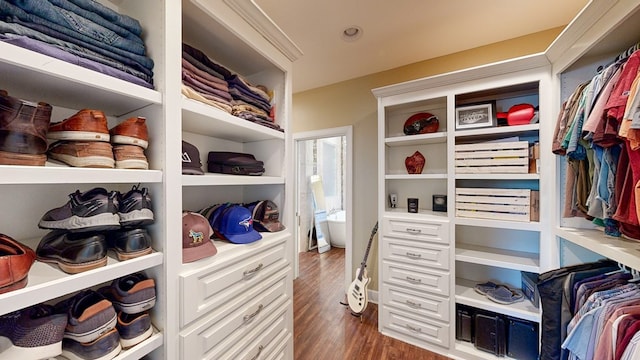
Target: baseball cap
(234,223)
(196,237)
(191,164)
(265,216)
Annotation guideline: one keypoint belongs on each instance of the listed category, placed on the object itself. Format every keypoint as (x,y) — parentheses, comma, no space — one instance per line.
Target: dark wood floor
(325,329)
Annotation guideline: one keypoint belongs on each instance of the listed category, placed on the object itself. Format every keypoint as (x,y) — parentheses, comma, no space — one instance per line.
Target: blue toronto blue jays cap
(235,223)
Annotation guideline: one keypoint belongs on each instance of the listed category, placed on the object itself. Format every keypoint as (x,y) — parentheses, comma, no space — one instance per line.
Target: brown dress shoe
(85,125)
(93,154)
(15,262)
(132,131)
(23,131)
(130,157)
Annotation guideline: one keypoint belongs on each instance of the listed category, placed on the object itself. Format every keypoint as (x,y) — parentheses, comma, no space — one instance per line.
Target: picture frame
(475,116)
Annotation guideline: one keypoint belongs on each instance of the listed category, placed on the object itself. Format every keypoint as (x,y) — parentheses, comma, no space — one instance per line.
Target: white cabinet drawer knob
(248,318)
(252,272)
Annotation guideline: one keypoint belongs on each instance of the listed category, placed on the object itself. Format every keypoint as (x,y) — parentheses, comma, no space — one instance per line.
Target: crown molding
(261,22)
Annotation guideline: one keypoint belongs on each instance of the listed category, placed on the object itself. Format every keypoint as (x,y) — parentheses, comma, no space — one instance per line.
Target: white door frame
(298,138)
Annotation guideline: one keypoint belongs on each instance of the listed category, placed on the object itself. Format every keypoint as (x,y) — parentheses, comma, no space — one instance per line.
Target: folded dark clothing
(251,115)
(219,83)
(125,21)
(195,62)
(49,50)
(236,94)
(12,13)
(116,23)
(206,84)
(204,89)
(236,81)
(204,59)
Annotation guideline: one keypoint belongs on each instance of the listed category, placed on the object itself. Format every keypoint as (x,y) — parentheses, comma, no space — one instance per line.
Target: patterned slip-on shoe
(131,294)
(32,333)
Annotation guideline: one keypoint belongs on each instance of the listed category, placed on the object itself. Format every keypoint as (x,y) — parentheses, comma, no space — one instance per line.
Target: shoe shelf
(209,179)
(515,260)
(203,119)
(139,350)
(69,85)
(47,281)
(55,173)
(465,294)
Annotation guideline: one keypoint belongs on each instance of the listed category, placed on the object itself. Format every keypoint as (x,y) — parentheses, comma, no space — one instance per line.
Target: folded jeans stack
(83,32)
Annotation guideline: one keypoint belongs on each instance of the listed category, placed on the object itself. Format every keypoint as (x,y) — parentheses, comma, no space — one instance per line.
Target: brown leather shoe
(130,157)
(95,154)
(85,125)
(132,131)
(23,131)
(15,261)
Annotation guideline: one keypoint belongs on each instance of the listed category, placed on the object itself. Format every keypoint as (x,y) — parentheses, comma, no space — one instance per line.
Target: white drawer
(414,330)
(416,278)
(215,336)
(413,252)
(424,230)
(207,289)
(265,339)
(415,302)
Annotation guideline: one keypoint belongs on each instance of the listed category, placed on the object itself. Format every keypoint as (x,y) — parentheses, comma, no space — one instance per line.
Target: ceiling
(400,32)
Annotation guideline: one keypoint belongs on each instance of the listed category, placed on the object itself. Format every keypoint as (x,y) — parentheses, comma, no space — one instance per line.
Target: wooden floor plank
(325,329)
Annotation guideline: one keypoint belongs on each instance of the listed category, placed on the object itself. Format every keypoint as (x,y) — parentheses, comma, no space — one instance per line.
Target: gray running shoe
(93,210)
(90,316)
(32,333)
(134,207)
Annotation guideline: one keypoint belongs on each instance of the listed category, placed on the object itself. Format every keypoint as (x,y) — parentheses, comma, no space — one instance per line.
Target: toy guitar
(357,292)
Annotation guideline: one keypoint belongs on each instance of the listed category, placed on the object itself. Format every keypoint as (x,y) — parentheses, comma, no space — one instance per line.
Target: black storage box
(492,337)
(226,162)
(522,339)
(464,323)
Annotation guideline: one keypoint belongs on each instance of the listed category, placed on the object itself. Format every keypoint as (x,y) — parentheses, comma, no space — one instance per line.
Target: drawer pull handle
(414,305)
(250,317)
(414,280)
(260,348)
(252,272)
(414,255)
(418,330)
(414,231)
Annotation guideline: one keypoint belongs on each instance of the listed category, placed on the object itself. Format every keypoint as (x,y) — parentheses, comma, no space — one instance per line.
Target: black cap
(191,164)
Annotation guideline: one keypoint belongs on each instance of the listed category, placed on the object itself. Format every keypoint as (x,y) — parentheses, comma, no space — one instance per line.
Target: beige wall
(352,103)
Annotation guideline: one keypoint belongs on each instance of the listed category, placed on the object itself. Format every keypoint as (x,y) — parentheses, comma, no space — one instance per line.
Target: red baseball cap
(196,237)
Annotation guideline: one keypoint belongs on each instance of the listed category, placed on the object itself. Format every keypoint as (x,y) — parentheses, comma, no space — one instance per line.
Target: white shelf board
(420,139)
(53,173)
(498,130)
(209,179)
(426,176)
(200,118)
(68,85)
(514,260)
(421,214)
(465,294)
(622,250)
(138,351)
(497,176)
(514,225)
(47,281)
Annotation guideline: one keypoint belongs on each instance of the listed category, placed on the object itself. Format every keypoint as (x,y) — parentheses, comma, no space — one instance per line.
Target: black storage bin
(464,323)
(492,337)
(523,339)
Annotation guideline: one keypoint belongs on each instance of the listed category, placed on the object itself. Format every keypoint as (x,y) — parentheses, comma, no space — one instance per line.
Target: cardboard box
(530,287)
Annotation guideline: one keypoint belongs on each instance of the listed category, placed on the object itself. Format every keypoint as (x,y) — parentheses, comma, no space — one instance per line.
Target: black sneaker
(32,333)
(129,243)
(94,210)
(135,208)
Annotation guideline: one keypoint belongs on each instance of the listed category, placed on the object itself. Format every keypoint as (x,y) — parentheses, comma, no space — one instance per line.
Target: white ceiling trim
(260,21)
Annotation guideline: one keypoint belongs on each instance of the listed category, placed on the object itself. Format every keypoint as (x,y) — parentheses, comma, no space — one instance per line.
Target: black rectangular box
(439,203)
(412,204)
(522,339)
(464,323)
(493,337)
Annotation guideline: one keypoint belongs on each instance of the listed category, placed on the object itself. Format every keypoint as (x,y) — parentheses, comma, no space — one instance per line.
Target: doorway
(326,153)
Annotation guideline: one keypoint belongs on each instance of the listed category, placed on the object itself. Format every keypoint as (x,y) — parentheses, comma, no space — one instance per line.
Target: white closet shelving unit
(491,249)
(236,34)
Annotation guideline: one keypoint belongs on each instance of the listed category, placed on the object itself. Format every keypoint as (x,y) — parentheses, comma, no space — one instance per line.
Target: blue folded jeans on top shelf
(76,23)
(110,22)
(126,22)
(12,13)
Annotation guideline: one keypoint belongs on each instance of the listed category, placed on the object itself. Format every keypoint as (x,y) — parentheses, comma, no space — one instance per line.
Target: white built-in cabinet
(485,249)
(235,305)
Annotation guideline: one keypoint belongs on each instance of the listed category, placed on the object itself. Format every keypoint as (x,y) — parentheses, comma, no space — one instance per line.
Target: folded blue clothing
(125,21)
(123,25)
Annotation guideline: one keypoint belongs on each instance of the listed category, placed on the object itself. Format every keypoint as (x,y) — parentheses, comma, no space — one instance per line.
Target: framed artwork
(474,116)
